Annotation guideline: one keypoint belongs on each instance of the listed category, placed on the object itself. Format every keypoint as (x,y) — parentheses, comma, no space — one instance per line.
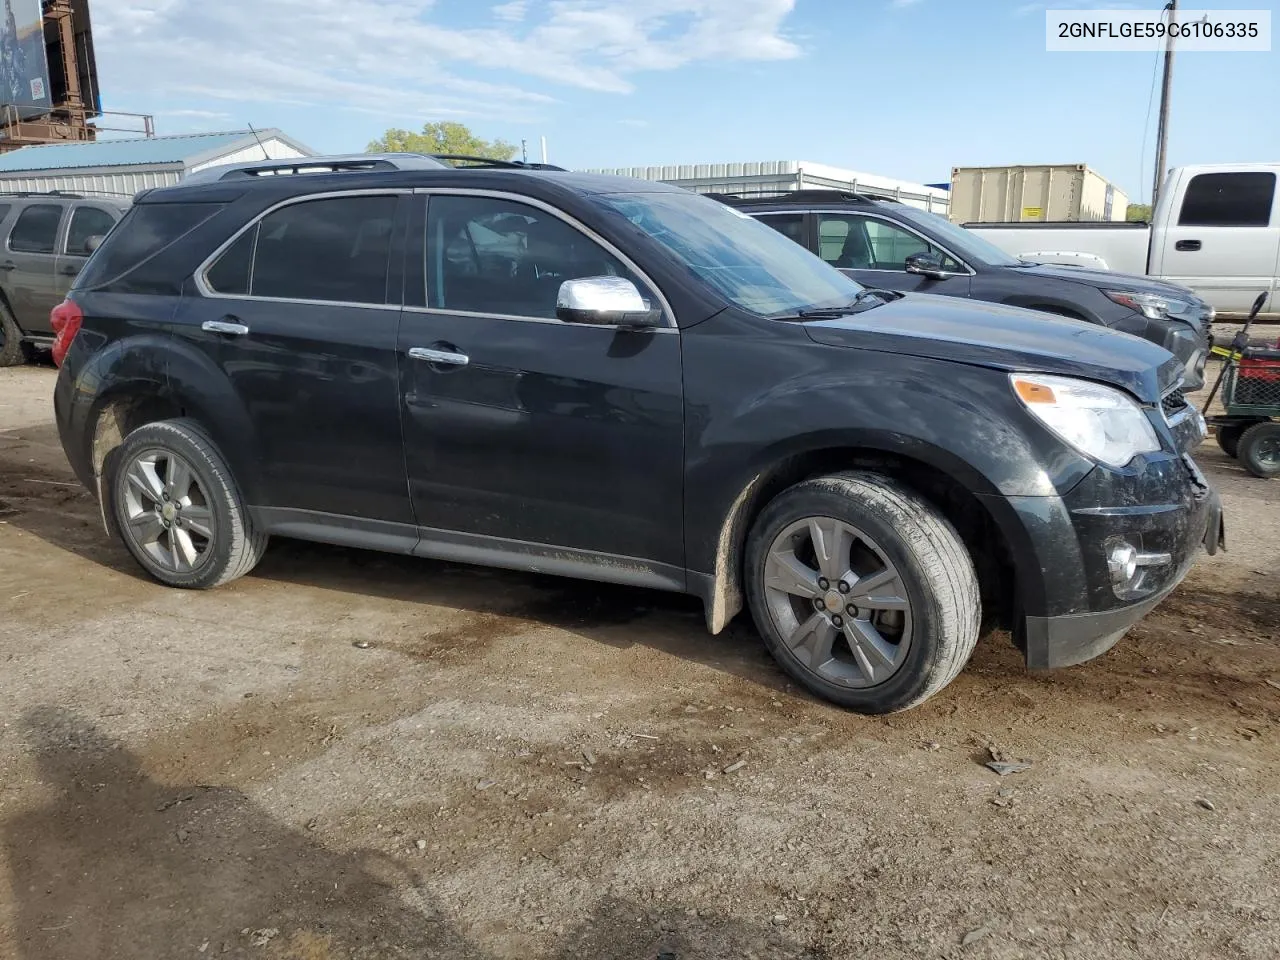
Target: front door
(523,432)
(297,313)
(874,252)
(1226,241)
(28,266)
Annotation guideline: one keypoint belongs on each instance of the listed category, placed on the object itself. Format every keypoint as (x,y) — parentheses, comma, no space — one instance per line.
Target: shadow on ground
(117,865)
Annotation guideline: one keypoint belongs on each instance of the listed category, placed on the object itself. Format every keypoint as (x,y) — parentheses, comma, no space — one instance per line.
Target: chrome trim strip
(201,279)
(559,323)
(668,314)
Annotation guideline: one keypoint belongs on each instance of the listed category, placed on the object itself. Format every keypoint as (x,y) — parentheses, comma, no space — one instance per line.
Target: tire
(1229,438)
(1260,450)
(920,590)
(194,534)
(12,353)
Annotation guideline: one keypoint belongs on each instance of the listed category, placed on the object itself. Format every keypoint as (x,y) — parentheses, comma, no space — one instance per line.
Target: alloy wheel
(167,512)
(838,601)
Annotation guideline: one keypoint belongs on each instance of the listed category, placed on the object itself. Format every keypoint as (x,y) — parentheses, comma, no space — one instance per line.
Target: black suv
(46,239)
(621,381)
(883,243)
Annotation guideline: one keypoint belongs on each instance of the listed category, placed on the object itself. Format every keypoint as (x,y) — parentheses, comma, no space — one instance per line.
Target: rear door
(523,432)
(297,312)
(28,263)
(88,220)
(874,252)
(1223,240)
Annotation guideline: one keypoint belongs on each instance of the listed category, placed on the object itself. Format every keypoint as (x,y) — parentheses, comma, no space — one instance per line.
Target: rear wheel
(863,592)
(11,350)
(178,509)
(1260,450)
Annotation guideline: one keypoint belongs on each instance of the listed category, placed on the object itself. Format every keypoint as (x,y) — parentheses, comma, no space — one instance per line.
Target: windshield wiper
(853,306)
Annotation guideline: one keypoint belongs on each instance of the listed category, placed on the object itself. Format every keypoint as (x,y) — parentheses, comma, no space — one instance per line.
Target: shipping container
(1068,192)
(772,177)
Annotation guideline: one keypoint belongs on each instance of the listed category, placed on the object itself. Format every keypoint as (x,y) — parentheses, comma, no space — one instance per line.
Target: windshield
(964,242)
(753,265)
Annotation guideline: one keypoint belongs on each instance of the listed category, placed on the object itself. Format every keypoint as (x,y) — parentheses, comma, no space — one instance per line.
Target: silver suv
(45,239)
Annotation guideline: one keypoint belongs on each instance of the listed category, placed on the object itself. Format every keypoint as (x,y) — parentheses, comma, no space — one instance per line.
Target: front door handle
(70,269)
(8,265)
(228,325)
(432,355)
(1187,246)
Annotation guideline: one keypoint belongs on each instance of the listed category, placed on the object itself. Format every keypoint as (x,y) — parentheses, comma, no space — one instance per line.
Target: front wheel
(11,350)
(1260,450)
(863,591)
(178,509)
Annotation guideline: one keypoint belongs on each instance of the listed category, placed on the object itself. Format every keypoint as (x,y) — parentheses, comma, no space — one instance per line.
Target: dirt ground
(348,755)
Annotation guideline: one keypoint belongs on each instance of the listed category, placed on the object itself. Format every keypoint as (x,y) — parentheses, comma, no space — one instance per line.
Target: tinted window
(145,230)
(335,250)
(36,229)
(1228,200)
(790,225)
(230,274)
(87,222)
(865,243)
(4,209)
(497,257)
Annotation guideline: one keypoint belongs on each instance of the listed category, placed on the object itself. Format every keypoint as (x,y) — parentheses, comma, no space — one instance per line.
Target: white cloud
(397,58)
(516,10)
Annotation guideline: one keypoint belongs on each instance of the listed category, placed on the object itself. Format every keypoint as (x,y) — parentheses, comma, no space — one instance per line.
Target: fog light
(1129,566)
(1122,561)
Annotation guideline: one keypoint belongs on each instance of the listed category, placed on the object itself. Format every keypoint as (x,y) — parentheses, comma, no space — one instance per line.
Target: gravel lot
(349,755)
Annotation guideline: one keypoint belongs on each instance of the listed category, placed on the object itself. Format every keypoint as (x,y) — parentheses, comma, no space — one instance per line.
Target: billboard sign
(24,71)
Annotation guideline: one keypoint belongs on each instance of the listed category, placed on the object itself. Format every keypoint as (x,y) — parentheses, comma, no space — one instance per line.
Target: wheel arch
(991,535)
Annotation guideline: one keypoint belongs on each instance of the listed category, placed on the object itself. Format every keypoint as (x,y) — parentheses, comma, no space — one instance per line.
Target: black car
(621,381)
(883,243)
(46,239)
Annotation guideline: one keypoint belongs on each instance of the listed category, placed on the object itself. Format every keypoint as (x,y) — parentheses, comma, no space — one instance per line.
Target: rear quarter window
(146,230)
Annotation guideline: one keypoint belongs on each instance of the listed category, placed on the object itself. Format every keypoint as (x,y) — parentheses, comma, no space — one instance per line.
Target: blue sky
(905,88)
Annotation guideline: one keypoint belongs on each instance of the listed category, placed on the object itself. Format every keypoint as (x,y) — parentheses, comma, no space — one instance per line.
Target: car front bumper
(1076,604)
(1064,641)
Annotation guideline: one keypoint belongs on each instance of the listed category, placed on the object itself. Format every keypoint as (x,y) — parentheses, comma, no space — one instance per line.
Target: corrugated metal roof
(183,149)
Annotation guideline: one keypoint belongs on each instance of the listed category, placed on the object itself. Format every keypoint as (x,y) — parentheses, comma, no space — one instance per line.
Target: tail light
(65,320)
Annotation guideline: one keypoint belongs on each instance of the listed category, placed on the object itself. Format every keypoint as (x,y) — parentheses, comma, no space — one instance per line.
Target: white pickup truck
(1216,230)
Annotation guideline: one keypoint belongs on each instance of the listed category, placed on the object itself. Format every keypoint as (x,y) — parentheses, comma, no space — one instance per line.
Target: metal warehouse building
(124,167)
(770,177)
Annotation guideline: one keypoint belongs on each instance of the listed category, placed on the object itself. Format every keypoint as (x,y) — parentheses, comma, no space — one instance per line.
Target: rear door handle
(70,269)
(1187,246)
(432,355)
(228,325)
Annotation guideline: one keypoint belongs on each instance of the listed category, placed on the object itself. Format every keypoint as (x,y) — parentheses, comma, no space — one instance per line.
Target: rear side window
(335,250)
(790,225)
(1228,200)
(87,222)
(145,230)
(36,229)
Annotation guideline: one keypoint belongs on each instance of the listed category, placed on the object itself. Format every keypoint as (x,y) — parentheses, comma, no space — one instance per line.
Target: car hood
(1004,338)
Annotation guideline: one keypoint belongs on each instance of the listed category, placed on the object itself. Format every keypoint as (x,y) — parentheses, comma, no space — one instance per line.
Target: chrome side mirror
(606,301)
(926,265)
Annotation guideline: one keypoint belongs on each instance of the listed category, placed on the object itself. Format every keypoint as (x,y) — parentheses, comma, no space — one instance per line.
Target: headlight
(1103,423)
(1152,305)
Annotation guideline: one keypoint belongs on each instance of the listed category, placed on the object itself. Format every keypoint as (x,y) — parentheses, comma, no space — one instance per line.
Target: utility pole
(1162,135)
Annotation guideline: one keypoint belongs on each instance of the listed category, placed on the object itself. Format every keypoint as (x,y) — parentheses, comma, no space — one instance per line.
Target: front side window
(1228,200)
(36,229)
(852,242)
(87,222)
(493,256)
(334,250)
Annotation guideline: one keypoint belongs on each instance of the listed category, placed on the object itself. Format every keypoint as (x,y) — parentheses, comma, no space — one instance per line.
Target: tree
(444,137)
(1138,212)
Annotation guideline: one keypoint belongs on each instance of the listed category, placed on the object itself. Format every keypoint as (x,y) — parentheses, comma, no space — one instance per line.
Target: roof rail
(801,196)
(359,162)
(66,194)
(465,160)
